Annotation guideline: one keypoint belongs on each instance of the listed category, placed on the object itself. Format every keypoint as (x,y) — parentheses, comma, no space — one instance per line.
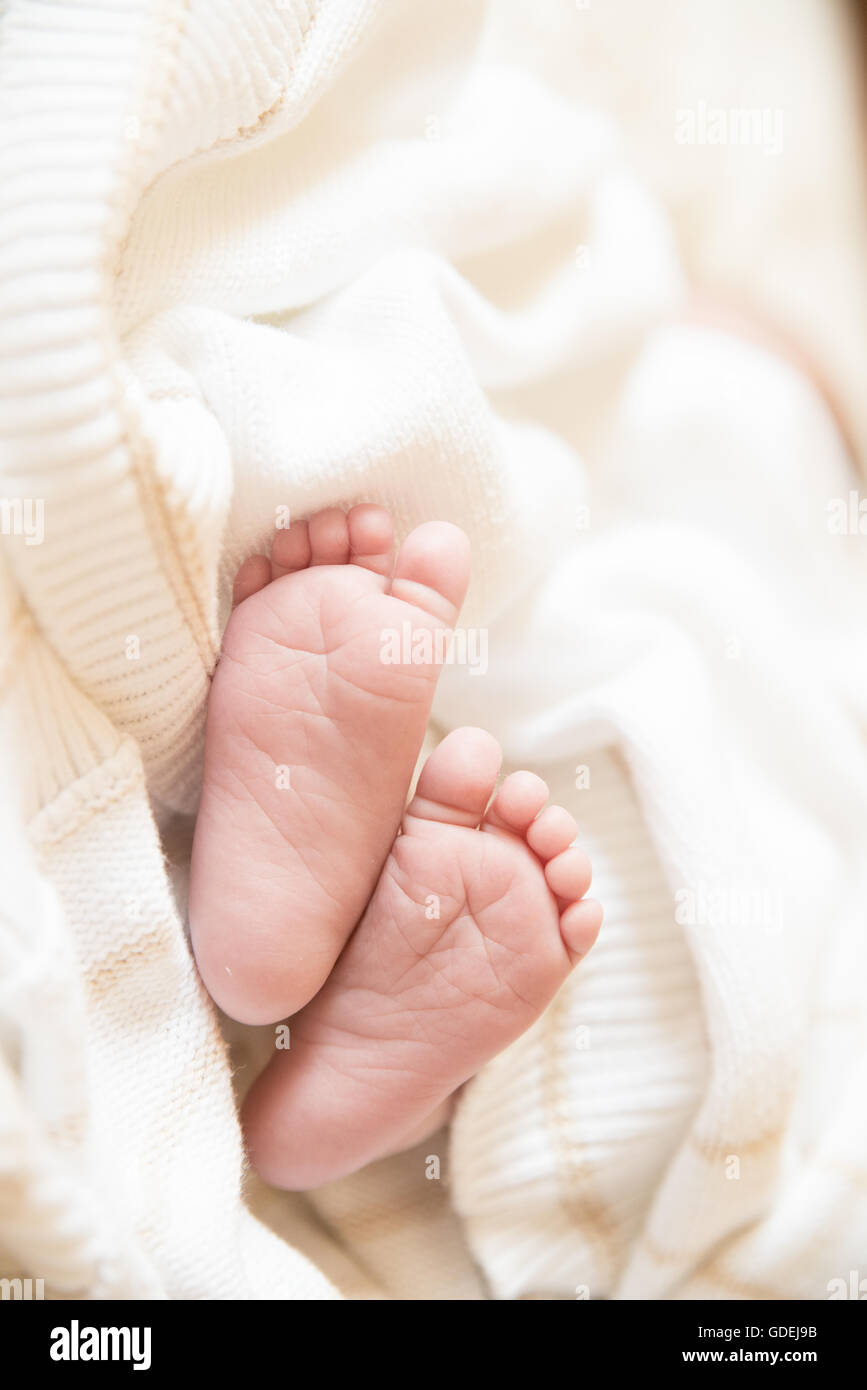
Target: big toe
(432,570)
(458,778)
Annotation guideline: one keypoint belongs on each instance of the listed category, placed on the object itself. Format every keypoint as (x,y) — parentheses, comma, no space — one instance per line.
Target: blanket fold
(262,257)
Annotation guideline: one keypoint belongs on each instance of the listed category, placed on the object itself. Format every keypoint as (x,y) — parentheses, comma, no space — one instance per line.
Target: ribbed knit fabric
(567,1135)
(262,255)
(704,646)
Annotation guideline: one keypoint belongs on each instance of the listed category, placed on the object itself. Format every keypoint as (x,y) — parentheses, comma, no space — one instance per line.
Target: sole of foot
(477,919)
(311,741)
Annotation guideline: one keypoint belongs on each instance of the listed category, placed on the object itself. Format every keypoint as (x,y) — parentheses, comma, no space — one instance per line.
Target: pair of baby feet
(409,944)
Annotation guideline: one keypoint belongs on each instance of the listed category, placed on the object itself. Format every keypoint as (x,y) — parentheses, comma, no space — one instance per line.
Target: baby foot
(475,923)
(310,745)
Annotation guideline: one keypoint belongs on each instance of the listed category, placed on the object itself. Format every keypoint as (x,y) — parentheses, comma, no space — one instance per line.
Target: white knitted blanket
(263,255)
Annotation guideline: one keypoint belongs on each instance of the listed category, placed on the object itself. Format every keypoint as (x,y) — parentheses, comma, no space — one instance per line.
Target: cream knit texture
(257,256)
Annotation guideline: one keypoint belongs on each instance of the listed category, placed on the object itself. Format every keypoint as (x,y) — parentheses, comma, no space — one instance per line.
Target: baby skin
(407,944)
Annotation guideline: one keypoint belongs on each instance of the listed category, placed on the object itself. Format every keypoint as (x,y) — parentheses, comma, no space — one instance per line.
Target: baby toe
(551,832)
(517,803)
(579,926)
(290,550)
(568,874)
(253,575)
(433,570)
(371,538)
(329,537)
(456,782)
